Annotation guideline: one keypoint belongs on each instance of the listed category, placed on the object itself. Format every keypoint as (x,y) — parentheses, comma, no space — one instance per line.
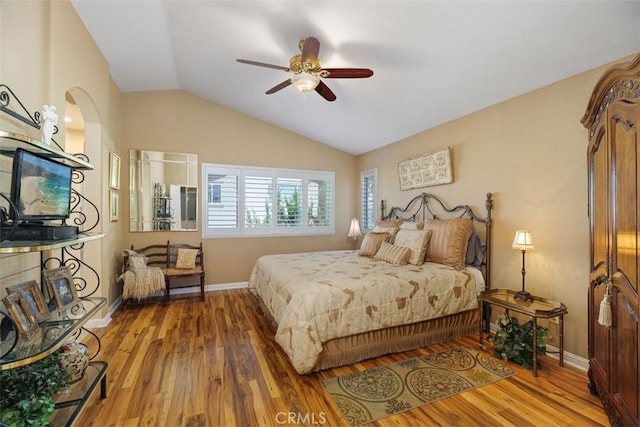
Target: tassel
(604,318)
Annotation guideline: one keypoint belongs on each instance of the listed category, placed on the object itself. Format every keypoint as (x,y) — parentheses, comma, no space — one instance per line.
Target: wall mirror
(163,191)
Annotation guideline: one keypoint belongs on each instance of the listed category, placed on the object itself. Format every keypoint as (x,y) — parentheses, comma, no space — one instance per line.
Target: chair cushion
(182,271)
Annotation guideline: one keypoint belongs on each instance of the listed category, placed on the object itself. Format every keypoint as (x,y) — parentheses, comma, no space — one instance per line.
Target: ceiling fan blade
(262,64)
(279,87)
(325,92)
(346,73)
(310,50)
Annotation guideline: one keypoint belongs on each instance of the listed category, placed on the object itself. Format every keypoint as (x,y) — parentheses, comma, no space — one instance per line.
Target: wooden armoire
(613,121)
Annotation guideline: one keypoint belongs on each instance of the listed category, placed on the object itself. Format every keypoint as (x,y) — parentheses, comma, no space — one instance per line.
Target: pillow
(138,261)
(393,254)
(383,229)
(417,241)
(186,258)
(449,240)
(390,223)
(475,250)
(372,242)
(412,225)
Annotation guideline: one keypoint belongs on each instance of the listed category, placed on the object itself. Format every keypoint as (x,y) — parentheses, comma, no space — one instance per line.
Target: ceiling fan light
(305,82)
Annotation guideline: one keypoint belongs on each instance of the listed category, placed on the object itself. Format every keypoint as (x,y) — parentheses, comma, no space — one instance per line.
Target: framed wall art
(32,298)
(27,326)
(114,171)
(426,170)
(60,285)
(113,206)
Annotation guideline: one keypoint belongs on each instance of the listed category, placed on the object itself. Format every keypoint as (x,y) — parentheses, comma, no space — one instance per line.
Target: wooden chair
(181,275)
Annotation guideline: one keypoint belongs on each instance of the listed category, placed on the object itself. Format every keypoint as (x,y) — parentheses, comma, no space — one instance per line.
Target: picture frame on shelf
(27,326)
(114,206)
(60,285)
(32,298)
(114,171)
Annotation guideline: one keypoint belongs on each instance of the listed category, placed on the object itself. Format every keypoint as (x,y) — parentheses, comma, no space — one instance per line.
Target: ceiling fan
(306,71)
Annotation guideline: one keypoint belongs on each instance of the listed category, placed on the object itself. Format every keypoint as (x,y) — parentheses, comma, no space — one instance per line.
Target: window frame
(368,174)
(273,230)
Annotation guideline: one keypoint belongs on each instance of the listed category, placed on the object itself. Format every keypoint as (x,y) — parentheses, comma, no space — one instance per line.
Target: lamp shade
(523,240)
(354,229)
(305,82)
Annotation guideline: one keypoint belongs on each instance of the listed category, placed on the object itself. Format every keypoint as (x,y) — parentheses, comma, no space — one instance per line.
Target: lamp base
(523,295)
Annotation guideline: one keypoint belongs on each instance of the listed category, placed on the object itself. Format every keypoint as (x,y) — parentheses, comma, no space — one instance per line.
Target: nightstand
(538,308)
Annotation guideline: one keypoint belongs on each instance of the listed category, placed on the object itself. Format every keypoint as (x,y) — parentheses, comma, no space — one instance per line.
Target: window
(248,201)
(368,198)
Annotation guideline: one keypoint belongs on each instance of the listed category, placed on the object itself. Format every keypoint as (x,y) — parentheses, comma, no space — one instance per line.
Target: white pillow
(417,241)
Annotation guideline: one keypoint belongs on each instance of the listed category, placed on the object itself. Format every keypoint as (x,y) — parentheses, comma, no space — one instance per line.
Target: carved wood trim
(621,81)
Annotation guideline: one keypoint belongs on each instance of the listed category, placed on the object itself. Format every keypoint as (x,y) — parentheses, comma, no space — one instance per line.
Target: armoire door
(614,213)
(624,269)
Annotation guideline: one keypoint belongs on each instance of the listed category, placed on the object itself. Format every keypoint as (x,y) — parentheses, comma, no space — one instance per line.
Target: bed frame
(429,206)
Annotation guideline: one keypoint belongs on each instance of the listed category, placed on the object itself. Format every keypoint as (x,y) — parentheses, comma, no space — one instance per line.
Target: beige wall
(175,121)
(46,51)
(530,152)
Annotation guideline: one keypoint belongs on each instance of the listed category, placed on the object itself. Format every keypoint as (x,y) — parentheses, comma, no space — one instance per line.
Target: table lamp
(354,231)
(523,242)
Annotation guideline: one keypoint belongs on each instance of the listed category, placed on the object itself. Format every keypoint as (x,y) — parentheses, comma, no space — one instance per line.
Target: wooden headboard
(429,206)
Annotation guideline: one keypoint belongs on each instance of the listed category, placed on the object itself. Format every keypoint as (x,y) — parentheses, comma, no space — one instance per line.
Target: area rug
(363,397)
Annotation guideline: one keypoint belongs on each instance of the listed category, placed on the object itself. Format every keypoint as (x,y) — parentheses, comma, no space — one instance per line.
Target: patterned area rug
(377,393)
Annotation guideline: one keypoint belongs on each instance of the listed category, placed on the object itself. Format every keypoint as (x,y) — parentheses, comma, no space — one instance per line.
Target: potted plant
(514,341)
(27,392)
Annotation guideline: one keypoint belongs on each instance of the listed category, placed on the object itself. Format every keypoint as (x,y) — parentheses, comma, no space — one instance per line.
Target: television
(40,188)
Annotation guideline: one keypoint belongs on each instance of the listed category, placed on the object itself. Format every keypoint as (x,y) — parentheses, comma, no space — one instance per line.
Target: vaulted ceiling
(434,61)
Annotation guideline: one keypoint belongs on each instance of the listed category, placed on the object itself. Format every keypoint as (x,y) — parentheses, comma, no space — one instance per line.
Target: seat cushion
(182,271)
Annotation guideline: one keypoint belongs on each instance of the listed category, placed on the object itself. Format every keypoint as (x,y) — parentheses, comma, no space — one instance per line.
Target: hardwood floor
(214,363)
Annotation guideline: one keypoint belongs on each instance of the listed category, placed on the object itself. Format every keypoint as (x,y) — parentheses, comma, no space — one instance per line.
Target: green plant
(514,341)
(29,412)
(27,391)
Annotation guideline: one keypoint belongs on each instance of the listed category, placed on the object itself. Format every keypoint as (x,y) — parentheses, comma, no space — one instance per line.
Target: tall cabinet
(613,121)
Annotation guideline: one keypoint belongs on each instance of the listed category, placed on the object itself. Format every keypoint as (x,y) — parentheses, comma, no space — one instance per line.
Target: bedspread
(317,296)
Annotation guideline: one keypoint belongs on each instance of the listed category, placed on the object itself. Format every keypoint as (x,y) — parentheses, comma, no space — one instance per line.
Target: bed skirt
(352,349)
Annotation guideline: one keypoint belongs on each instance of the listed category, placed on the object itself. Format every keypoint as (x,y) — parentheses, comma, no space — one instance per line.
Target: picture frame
(59,283)
(426,170)
(32,298)
(114,206)
(114,171)
(27,326)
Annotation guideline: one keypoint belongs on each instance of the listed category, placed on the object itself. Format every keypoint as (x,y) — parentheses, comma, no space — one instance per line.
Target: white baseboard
(554,352)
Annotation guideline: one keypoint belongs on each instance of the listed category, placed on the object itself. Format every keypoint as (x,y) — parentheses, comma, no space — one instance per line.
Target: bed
(413,282)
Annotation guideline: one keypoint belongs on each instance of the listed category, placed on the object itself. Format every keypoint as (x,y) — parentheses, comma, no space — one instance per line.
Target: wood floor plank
(215,363)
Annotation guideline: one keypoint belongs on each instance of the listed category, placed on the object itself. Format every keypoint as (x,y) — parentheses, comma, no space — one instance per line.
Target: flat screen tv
(40,187)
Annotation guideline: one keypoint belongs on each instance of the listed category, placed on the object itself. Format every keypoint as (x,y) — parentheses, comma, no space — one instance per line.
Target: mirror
(163,191)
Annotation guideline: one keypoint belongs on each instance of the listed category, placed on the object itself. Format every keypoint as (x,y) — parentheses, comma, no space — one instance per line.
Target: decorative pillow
(417,241)
(392,223)
(391,230)
(186,258)
(138,261)
(389,226)
(412,225)
(372,242)
(393,254)
(475,250)
(449,241)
